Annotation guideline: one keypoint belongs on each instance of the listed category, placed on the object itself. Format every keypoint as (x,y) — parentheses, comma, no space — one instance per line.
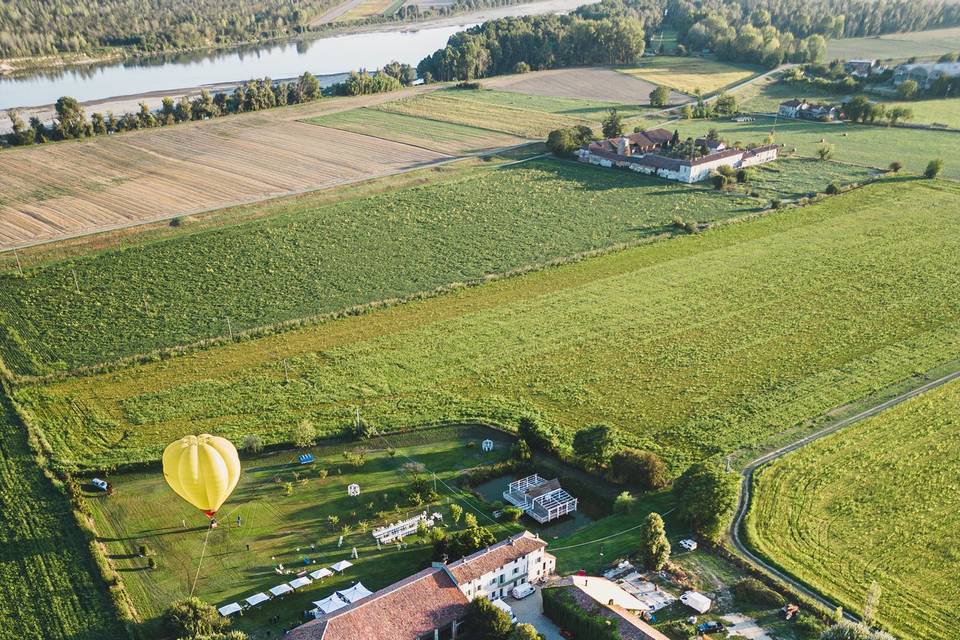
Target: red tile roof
(405,610)
(494,557)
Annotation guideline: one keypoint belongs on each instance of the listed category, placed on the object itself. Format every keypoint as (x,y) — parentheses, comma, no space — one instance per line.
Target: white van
(503,606)
(522,591)
(99,484)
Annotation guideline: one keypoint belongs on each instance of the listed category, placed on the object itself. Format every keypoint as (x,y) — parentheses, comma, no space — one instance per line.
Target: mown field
(794,178)
(306,259)
(689,74)
(896,45)
(460,107)
(945,111)
(584,83)
(872,146)
(695,346)
(293,530)
(445,137)
(51,589)
(876,501)
(593,110)
(365,9)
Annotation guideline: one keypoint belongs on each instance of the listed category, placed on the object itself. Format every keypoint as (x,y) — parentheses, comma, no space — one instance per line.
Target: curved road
(744,505)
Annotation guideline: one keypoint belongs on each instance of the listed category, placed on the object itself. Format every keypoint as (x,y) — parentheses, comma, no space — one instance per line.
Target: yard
(691,73)
(876,501)
(833,301)
(865,145)
(280,514)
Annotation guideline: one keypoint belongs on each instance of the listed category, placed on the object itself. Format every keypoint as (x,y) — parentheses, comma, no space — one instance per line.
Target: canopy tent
(330,603)
(306,458)
(696,601)
(321,573)
(342,566)
(300,582)
(281,589)
(257,598)
(230,609)
(354,593)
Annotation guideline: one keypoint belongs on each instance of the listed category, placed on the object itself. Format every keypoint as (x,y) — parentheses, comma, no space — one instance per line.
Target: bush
(744,175)
(559,606)
(896,166)
(563,142)
(719,181)
(152,563)
(303,435)
(832,189)
(176,221)
(193,617)
(540,436)
(933,168)
(487,621)
(521,67)
(253,443)
(752,591)
(641,469)
(468,85)
(512,514)
(776,203)
(624,503)
(659,97)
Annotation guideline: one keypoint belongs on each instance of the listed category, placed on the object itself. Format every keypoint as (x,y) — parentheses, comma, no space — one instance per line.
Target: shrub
(538,435)
(624,503)
(512,514)
(468,85)
(563,142)
(521,450)
(559,606)
(776,203)
(719,181)
(832,189)
(176,221)
(192,617)
(288,488)
(896,166)
(933,168)
(752,591)
(641,469)
(597,444)
(253,443)
(825,151)
(521,67)
(744,175)
(659,97)
(487,621)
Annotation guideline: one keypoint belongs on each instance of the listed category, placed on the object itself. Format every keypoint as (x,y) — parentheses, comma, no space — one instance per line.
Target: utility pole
(19,267)
(230,328)
(286,373)
(76,282)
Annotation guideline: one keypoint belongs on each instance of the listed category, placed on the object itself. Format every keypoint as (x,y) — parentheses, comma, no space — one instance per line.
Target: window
(516,570)
(501,578)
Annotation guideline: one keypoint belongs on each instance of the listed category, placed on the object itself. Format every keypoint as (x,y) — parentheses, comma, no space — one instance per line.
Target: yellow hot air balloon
(203,470)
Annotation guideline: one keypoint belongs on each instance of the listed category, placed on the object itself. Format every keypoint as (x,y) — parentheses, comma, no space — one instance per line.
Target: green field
(695,346)
(51,588)
(872,146)
(944,111)
(896,45)
(292,530)
(459,107)
(593,110)
(795,178)
(876,501)
(444,137)
(307,259)
(689,74)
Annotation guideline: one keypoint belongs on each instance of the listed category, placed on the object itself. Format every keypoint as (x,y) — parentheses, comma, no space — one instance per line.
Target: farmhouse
(860,68)
(683,169)
(808,110)
(634,144)
(431,604)
(925,73)
(542,500)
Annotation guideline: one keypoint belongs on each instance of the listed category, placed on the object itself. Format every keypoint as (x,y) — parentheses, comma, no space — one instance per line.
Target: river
(329,57)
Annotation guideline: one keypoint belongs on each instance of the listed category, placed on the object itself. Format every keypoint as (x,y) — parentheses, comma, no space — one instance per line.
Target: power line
(612,535)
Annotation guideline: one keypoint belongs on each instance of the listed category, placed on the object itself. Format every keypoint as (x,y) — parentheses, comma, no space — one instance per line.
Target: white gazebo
(300,582)
(321,573)
(228,610)
(487,445)
(354,593)
(281,589)
(257,598)
(330,604)
(341,566)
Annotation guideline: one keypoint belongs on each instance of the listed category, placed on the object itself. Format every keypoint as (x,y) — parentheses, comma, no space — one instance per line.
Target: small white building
(493,572)
(696,601)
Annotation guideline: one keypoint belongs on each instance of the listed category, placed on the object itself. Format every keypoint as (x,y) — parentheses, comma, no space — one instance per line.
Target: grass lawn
(944,111)
(875,501)
(593,110)
(689,74)
(896,45)
(693,347)
(795,178)
(292,530)
(51,587)
(459,107)
(311,256)
(445,137)
(858,144)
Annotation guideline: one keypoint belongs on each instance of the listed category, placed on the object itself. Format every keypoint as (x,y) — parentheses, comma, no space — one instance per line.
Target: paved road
(747,482)
(530,610)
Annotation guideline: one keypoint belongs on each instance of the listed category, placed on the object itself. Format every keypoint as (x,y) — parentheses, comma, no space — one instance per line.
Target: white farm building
(542,500)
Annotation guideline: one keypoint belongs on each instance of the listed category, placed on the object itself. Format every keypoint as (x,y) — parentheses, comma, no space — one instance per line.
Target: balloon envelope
(203,470)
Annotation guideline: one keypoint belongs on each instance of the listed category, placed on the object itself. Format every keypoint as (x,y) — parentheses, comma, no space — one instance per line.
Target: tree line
(71,120)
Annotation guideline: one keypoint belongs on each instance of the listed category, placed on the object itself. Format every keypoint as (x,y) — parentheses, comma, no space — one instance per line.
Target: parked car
(100,484)
(522,591)
(688,544)
(711,627)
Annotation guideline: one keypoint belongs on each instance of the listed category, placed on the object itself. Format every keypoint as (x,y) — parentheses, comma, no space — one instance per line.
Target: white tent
(257,598)
(354,593)
(330,604)
(321,573)
(696,601)
(281,589)
(342,566)
(300,582)
(230,609)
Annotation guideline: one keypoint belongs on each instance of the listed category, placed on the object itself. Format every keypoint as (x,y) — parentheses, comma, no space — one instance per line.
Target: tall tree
(654,549)
(706,497)
(596,444)
(71,120)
